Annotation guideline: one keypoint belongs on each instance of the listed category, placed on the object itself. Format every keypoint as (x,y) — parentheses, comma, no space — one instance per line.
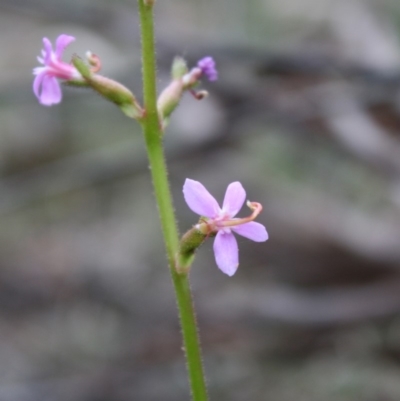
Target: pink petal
(62,42)
(252,230)
(235,196)
(226,253)
(199,199)
(51,91)
(37,83)
(48,50)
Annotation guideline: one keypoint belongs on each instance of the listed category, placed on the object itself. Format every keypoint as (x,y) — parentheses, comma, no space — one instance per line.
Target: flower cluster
(222,221)
(45,85)
(215,221)
(47,88)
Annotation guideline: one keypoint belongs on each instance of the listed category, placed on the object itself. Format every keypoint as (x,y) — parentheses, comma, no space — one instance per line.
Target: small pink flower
(45,85)
(223,221)
(208,68)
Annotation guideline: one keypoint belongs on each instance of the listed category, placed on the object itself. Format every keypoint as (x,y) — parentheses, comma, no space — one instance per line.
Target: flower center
(223,221)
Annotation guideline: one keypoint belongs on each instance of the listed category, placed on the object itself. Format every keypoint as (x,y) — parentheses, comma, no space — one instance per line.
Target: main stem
(153,138)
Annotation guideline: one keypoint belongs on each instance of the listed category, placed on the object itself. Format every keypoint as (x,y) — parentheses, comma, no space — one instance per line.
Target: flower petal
(226,252)
(51,91)
(199,199)
(252,230)
(208,68)
(37,82)
(48,50)
(62,42)
(235,196)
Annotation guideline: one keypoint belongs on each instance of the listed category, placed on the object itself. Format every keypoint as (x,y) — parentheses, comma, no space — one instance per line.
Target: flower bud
(179,68)
(110,89)
(170,98)
(184,80)
(187,248)
(191,79)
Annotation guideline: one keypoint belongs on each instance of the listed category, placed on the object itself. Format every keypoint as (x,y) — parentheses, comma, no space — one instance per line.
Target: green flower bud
(179,68)
(187,248)
(170,98)
(110,89)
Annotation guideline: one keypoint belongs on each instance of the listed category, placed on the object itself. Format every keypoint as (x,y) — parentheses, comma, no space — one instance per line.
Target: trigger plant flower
(221,221)
(79,73)
(45,85)
(183,80)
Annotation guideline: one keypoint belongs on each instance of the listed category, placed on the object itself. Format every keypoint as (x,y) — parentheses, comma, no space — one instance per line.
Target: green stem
(153,138)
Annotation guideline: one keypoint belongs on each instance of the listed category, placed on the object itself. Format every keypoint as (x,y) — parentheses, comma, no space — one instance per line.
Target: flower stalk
(153,138)
(215,221)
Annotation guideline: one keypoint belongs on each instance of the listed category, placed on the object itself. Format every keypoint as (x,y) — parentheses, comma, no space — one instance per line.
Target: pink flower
(45,85)
(208,68)
(223,221)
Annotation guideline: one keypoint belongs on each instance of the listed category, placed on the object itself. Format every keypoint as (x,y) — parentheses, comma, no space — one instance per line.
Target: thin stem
(153,138)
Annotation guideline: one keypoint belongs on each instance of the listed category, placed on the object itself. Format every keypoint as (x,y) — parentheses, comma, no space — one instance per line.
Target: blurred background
(306,114)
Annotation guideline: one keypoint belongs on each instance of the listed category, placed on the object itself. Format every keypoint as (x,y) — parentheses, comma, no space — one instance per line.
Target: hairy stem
(153,138)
